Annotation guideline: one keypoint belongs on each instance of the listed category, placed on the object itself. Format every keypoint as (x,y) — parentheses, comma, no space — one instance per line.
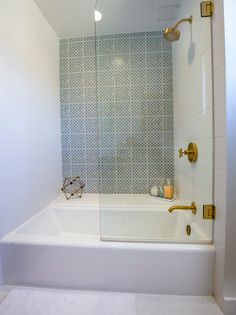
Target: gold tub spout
(193,208)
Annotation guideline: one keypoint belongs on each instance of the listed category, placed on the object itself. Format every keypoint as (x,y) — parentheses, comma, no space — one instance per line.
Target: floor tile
(48,302)
(176,305)
(3,293)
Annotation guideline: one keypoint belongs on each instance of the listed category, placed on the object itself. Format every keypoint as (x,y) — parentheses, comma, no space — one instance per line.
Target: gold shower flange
(191,152)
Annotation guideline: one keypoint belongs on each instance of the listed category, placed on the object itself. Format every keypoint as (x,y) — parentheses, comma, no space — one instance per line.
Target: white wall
(192,75)
(225,171)
(1,280)
(230,235)
(30,162)
(220,147)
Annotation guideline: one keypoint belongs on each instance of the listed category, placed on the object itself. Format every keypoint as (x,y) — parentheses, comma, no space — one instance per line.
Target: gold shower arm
(193,208)
(190,20)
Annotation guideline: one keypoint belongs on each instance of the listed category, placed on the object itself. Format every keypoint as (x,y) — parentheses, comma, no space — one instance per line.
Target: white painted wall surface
(230,235)
(1,280)
(220,148)
(192,78)
(30,158)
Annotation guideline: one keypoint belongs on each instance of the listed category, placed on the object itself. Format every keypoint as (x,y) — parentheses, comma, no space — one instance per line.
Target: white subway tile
(29,113)
(220,154)
(219,85)
(220,120)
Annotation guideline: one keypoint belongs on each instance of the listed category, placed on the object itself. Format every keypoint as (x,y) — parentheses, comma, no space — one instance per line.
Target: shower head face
(172,34)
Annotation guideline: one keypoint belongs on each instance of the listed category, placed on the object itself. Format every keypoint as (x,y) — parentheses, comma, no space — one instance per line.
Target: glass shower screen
(154,95)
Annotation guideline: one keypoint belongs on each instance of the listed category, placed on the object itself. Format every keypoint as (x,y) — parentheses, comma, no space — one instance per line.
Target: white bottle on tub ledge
(154,191)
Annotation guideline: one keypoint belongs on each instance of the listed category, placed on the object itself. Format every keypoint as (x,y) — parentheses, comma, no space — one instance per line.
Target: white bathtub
(60,247)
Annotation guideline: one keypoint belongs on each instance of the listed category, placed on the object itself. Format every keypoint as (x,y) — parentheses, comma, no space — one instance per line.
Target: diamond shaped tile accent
(93,171)
(106,46)
(76,79)
(122,109)
(78,156)
(139,155)
(64,96)
(92,141)
(77,126)
(65,126)
(89,47)
(108,156)
(91,110)
(76,64)
(138,60)
(64,48)
(76,95)
(124,155)
(76,47)
(124,171)
(77,110)
(108,140)
(92,156)
(140,186)
(89,79)
(154,60)
(122,77)
(140,171)
(122,45)
(156,155)
(91,125)
(64,65)
(137,44)
(138,76)
(108,186)
(124,186)
(153,43)
(155,170)
(93,186)
(123,124)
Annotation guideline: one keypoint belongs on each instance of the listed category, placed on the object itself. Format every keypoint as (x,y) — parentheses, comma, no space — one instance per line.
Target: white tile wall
(30,166)
(192,74)
(220,148)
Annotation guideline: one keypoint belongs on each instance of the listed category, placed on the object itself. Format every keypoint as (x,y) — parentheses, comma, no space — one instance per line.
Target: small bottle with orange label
(168,190)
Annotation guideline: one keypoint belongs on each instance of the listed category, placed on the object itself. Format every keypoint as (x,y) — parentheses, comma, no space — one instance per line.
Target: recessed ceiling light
(98,16)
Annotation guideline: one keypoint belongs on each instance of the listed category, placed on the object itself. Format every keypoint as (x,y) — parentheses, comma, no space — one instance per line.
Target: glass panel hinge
(209,212)
(207,8)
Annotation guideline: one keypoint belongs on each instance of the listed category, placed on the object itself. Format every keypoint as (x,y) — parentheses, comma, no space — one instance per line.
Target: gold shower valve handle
(182,152)
(191,152)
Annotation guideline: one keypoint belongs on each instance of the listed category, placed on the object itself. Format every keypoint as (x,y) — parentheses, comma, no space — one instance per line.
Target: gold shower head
(172,34)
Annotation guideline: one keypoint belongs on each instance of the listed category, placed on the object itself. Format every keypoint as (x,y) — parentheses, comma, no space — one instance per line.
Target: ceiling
(69,18)
(75,18)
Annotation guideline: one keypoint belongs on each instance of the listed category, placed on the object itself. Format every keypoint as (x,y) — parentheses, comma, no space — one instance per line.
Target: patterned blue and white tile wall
(117,136)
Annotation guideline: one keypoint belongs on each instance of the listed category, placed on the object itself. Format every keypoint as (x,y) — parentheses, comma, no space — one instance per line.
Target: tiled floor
(176,305)
(27,301)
